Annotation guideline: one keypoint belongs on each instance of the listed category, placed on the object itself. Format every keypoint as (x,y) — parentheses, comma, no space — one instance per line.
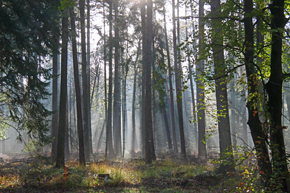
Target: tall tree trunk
(54,97)
(84,79)
(109,141)
(178,78)
(88,75)
(221,89)
(149,144)
(133,102)
(143,23)
(274,90)
(170,88)
(117,87)
(78,92)
(63,95)
(66,144)
(124,106)
(253,117)
(105,74)
(200,91)
(190,66)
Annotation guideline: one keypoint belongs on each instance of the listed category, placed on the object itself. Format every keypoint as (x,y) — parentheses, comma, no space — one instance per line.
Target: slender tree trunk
(221,89)
(109,141)
(66,144)
(88,75)
(133,102)
(84,79)
(143,23)
(253,117)
(124,106)
(54,121)
(178,78)
(105,77)
(170,89)
(117,88)
(200,91)
(149,144)
(63,95)
(274,90)
(78,92)
(191,83)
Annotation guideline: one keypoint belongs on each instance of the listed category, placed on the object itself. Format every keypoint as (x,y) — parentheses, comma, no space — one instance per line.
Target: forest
(144,96)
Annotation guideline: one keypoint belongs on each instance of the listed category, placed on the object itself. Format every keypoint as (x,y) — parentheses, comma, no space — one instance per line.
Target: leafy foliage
(25,41)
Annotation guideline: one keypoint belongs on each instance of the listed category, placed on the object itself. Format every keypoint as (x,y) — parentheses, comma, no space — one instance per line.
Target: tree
(85,83)
(54,121)
(178,78)
(63,93)
(254,121)
(133,102)
(88,75)
(274,90)
(149,145)
(109,141)
(78,92)
(172,114)
(23,47)
(221,87)
(200,89)
(117,86)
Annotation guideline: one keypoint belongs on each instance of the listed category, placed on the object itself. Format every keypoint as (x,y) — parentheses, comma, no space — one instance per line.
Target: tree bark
(133,103)
(200,90)
(149,145)
(109,141)
(54,121)
(254,122)
(221,90)
(178,78)
(117,87)
(274,90)
(78,92)
(63,95)
(84,79)
(143,24)
(88,76)
(170,88)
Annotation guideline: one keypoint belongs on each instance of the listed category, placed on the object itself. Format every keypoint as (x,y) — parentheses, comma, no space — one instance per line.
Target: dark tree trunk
(109,141)
(178,79)
(221,90)
(133,102)
(190,66)
(200,91)
(253,121)
(105,75)
(88,76)
(84,80)
(63,96)
(54,97)
(78,92)
(149,145)
(124,105)
(117,88)
(143,23)
(274,90)
(170,89)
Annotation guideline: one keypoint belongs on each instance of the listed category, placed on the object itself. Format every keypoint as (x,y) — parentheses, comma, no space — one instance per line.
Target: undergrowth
(130,176)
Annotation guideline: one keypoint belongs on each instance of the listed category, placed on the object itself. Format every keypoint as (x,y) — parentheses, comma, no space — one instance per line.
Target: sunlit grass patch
(191,171)
(9,181)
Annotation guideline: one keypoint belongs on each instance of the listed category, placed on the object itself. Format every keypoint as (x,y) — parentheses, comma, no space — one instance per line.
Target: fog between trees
(138,79)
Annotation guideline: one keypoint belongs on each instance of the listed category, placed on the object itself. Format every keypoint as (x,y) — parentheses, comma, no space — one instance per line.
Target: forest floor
(37,174)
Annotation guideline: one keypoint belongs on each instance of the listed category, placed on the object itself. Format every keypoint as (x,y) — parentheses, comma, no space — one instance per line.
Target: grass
(130,176)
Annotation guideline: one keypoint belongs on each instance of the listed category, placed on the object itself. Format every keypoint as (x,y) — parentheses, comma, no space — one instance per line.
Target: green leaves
(66,3)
